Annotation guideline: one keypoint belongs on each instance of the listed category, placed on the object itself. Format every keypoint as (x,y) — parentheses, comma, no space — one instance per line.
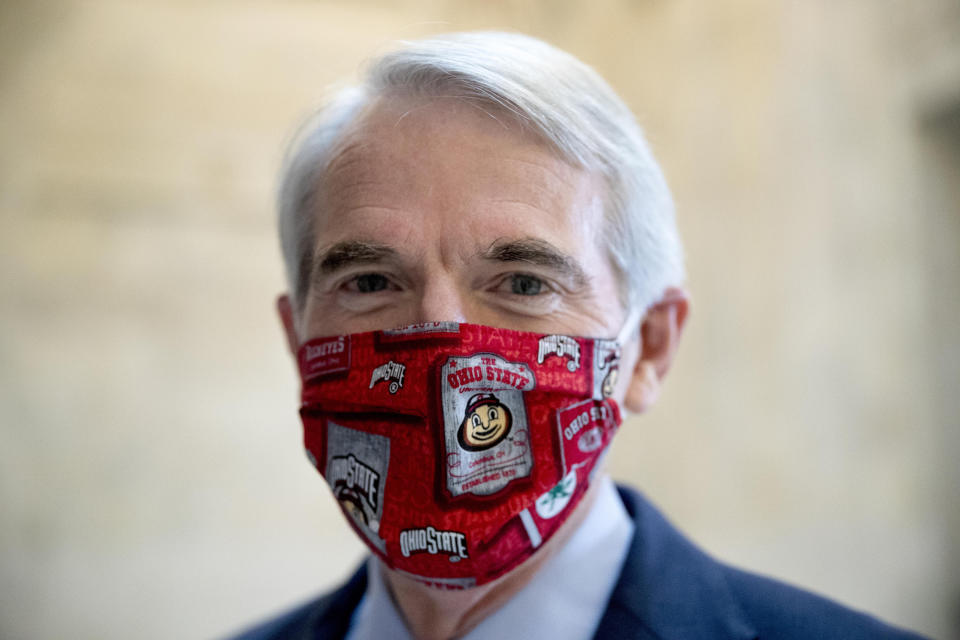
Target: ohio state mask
(456,450)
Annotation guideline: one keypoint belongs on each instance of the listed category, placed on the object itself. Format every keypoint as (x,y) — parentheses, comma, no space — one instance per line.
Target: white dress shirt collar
(564,601)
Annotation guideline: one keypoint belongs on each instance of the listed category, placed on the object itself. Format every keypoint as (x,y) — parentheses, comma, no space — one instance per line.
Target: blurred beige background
(152,481)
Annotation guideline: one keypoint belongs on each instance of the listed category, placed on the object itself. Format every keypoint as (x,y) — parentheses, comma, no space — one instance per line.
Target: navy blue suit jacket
(668,589)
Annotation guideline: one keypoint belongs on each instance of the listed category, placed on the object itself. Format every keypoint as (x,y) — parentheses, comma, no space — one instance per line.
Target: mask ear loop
(629,326)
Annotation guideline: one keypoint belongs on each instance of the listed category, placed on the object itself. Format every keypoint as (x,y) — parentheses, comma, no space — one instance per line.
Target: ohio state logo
(391,372)
(434,542)
(561,346)
(346,474)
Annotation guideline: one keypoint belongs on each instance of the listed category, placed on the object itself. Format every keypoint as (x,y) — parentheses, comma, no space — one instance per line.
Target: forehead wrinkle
(356,196)
(541,181)
(345,157)
(358,158)
(546,168)
(358,177)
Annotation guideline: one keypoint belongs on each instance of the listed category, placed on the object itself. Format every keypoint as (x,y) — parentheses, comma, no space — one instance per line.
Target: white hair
(546,90)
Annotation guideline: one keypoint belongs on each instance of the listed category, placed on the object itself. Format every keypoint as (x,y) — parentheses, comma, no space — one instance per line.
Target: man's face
(435,209)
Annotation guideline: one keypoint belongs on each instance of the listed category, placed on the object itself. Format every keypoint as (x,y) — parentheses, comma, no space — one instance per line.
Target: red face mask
(456,450)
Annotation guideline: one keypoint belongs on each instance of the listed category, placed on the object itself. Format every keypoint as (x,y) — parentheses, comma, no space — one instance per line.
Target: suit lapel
(668,588)
(330,618)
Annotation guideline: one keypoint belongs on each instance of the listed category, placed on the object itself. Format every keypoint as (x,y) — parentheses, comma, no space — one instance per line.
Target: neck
(437,614)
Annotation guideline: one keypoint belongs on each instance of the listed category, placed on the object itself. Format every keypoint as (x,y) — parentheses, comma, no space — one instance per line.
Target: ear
(659,338)
(285,310)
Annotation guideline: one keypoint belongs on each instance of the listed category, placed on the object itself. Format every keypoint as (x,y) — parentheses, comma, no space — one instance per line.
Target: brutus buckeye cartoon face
(486,422)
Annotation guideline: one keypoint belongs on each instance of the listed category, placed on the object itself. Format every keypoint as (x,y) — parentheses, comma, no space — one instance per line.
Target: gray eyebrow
(535,251)
(345,254)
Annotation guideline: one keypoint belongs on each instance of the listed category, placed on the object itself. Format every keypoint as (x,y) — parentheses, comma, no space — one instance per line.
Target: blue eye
(371,283)
(524,285)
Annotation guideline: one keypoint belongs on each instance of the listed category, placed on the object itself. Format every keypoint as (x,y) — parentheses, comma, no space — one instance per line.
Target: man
(483,269)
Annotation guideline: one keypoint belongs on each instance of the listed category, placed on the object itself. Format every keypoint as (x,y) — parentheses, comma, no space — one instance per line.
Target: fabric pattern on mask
(456,450)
